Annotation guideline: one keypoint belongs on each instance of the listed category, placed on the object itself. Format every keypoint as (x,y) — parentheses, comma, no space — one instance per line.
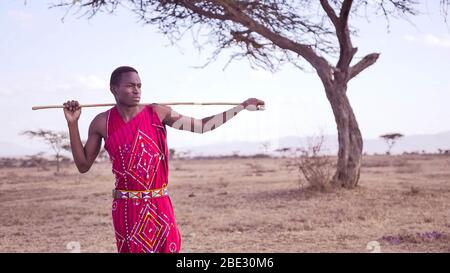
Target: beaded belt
(123,194)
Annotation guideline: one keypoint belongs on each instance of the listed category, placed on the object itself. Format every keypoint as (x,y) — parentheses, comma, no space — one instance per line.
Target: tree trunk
(349,138)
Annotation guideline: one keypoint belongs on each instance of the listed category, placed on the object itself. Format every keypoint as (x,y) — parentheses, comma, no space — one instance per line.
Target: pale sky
(45,61)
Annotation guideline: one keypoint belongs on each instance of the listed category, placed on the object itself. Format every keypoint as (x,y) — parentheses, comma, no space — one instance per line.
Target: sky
(47,61)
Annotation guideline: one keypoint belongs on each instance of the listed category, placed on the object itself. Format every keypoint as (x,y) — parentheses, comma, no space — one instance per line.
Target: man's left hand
(253,104)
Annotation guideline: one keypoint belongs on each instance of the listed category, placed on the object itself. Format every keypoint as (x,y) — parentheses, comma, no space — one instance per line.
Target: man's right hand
(72,111)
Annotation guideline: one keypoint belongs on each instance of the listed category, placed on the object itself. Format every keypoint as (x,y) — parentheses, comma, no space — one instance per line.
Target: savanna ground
(240,205)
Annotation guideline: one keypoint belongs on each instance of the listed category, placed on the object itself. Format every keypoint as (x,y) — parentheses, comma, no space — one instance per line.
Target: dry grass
(240,205)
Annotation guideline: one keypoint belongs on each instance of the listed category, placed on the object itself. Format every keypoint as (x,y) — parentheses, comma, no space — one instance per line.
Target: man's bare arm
(181,122)
(85,156)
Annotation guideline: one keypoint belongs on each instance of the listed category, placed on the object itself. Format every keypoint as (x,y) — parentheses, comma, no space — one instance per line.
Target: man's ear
(113,90)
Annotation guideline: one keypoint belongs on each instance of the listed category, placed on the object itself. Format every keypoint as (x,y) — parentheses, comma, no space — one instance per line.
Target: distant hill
(10,149)
(429,143)
(414,143)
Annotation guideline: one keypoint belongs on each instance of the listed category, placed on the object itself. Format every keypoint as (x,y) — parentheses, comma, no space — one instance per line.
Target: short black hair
(117,73)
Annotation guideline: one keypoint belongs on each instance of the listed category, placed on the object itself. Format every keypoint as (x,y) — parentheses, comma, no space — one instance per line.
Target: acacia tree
(58,141)
(390,140)
(271,33)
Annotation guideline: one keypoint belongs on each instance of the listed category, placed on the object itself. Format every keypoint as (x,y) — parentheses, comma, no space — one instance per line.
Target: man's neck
(128,112)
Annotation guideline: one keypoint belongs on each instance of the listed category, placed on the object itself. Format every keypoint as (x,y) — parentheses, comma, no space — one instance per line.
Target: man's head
(125,85)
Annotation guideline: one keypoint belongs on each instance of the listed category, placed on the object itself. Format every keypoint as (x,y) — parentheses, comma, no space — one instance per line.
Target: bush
(315,168)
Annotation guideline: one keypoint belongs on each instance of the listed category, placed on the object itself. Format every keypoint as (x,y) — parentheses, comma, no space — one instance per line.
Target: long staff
(112,104)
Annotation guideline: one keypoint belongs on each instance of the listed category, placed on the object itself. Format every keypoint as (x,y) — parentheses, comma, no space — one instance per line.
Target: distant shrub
(315,168)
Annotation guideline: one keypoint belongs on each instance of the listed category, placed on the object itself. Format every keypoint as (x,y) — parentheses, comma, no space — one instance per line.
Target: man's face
(128,92)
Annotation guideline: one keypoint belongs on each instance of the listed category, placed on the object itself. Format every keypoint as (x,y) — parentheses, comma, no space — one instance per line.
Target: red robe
(138,152)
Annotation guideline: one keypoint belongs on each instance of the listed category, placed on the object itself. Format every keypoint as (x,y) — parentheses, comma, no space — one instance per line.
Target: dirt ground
(402,204)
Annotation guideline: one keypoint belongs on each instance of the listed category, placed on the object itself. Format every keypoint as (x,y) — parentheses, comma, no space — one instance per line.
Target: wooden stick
(112,104)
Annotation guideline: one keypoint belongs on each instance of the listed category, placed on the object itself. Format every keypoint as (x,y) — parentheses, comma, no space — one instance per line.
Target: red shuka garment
(138,152)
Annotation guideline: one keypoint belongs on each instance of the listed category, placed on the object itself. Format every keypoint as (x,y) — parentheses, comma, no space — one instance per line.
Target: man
(135,139)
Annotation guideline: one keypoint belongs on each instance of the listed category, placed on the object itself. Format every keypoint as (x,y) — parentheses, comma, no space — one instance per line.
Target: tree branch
(343,34)
(330,12)
(202,12)
(364,63)
(319,63)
